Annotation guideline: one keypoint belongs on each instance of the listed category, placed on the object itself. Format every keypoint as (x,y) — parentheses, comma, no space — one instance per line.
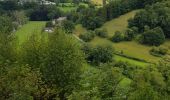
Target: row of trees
(92,17)
(33,10)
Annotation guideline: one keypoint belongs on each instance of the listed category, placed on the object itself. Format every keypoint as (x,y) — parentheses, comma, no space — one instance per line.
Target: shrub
(88,36)
(158,51)
(49,24)
(118,37)
(68,26)
(129,35)
(101,54)
(153,37)
(101,33)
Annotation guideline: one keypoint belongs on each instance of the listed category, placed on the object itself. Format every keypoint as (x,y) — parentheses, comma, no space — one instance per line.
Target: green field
(32,27)
(133,48)
(69,6)
(79,30)
(118,24)
(97,2)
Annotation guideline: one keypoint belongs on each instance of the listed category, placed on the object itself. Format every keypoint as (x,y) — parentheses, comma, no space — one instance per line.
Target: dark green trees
(153,37)
(6,25)
(118,37)
(100,54)
(153,16)
(68,26)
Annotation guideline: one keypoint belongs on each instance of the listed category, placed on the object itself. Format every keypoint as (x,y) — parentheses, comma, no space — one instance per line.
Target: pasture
(131,49)
(67,7)
(32,27)
(118,24)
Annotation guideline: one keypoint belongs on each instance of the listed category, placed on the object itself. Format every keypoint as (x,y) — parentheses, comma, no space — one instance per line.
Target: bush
(88,36)
(101,33)
(100,55)
(129,35)
(49,24)
(118,37)
(158,51)
(68,26)
(153,37)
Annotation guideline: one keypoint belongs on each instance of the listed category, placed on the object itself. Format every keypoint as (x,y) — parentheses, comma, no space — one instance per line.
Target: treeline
(92,17)
(120,7)
(33,10)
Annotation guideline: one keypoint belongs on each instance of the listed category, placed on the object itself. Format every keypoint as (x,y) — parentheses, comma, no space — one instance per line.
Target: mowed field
(32,27)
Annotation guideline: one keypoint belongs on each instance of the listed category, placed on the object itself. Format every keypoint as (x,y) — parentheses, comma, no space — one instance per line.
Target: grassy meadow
(32,27)
(67,7)
(131,49)
(118,24)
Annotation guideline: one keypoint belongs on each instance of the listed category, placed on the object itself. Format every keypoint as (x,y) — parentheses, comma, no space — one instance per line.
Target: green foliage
(62,63)
(44,13)
(19,83)
(118,37)
(68,26)
(6,25)
(129,35)
(98,84)
(100,54)
(49,24)
(89,20)
(101,33)
(153,37)
(153,16)
(159,51)
(88,36)
(8,48)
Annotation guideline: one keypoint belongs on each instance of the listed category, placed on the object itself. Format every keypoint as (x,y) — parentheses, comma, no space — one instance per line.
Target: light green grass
(125,82)
(132,49)
(32,27)
(97,2)
(69,7)
(130,61)
(79,30)
(118,24)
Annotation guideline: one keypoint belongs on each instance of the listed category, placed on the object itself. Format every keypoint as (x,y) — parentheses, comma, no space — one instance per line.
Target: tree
(68,26)
(6,25)
(101,54)
(19,83)
(62,63)
(101,33)
(88,36)
(117,37)
(19,18)
(129,35)
(89,20)
(153,37)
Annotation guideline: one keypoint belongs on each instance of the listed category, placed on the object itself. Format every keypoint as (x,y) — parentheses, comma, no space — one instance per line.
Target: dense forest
(57,62)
